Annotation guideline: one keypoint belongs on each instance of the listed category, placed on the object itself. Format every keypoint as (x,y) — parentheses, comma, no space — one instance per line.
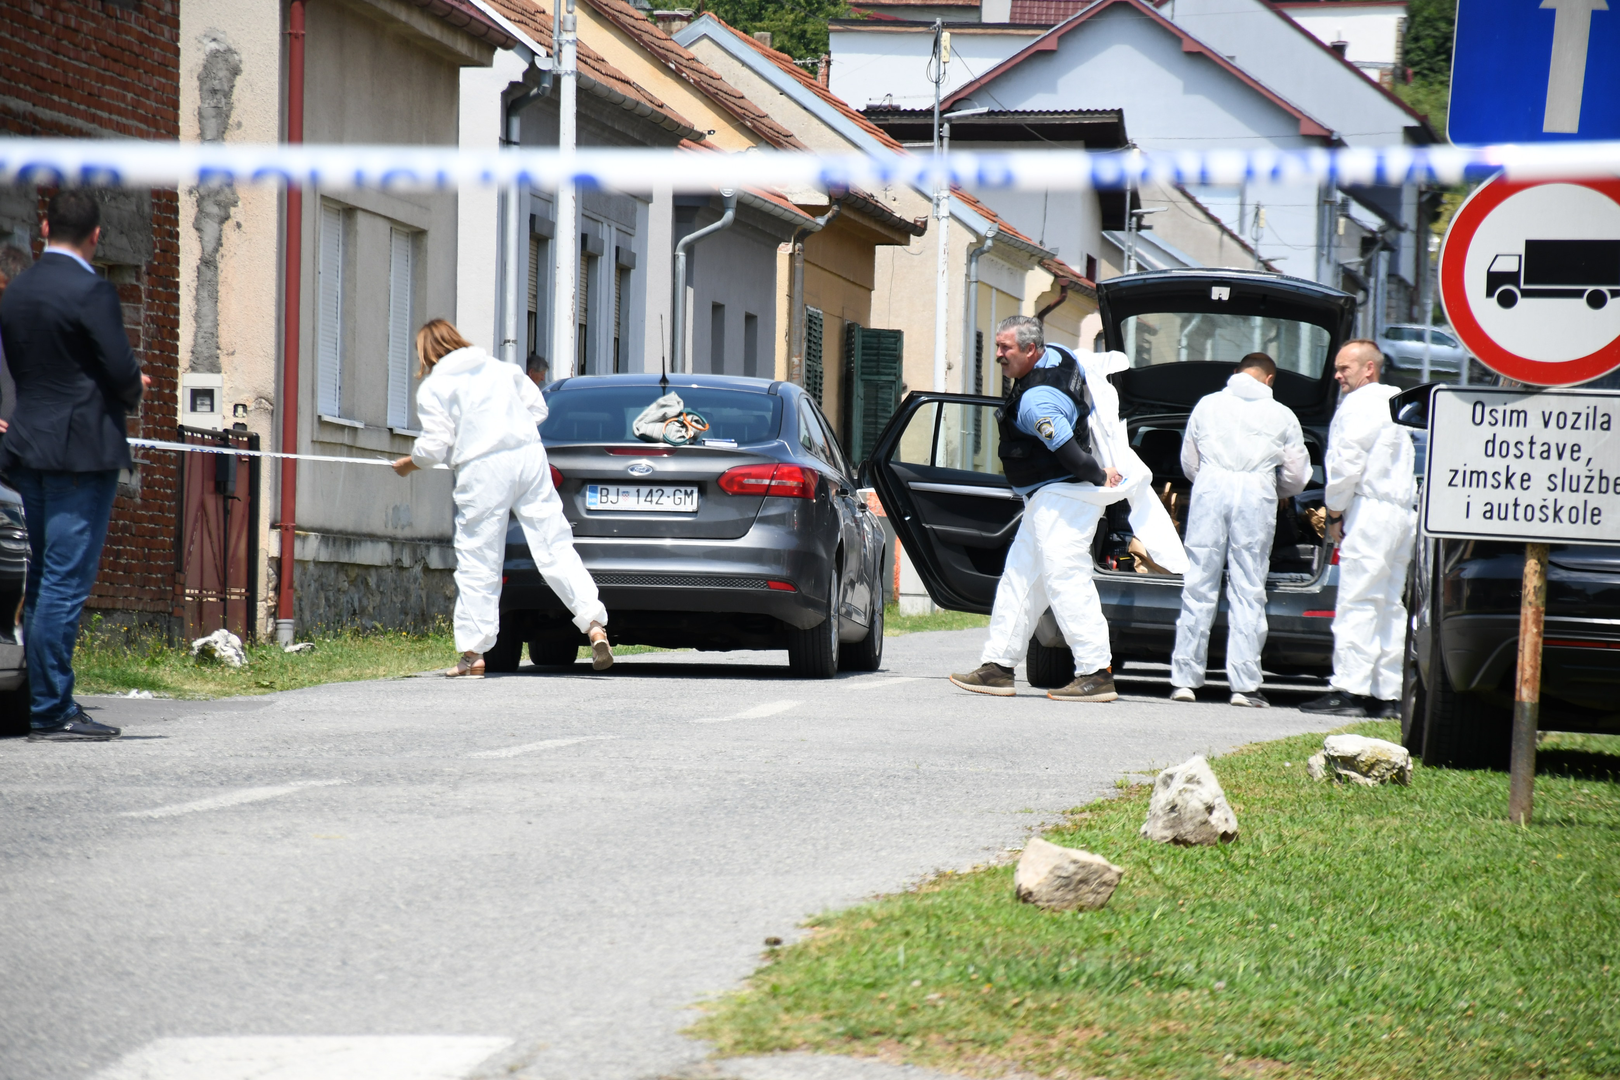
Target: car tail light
(782,586)
(1319,614)
(1335,560)
(556,478)
(791,481)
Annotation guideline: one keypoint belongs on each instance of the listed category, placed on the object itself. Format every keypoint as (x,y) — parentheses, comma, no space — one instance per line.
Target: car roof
(680,381)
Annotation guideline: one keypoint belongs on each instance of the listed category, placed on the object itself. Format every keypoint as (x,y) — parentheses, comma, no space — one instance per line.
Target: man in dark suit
(76,378)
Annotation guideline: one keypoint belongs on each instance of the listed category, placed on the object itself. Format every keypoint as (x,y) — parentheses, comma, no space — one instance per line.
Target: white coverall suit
(1049,563)
(1243,451)
(482,416)
(1370,476)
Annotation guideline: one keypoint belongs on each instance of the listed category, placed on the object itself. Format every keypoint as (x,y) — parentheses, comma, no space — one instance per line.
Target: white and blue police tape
(135,163)
(236,451)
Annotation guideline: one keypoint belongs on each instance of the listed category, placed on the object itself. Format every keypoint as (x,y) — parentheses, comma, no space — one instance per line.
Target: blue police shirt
(1048,414)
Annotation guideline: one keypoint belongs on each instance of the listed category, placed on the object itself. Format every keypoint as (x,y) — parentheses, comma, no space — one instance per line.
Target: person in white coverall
(1371,486)
(1243,450)
(482,416)
(1049,451)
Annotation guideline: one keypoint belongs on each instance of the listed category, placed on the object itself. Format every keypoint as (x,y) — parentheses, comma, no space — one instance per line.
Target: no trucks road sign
(1530,279)
(1539,466)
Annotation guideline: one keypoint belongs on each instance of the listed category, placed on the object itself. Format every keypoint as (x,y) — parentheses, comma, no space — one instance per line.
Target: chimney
(763,37)
(672,20)
(1341,46)
(824,70)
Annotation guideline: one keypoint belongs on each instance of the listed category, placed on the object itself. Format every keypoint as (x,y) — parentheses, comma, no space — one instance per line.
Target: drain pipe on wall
(973,303)
(292,296)
(677,344)
(1063,294)
(796,341)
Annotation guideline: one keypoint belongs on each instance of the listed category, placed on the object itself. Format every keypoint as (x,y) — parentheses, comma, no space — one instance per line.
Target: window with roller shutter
(813,324)
(877,362)
(329,314)
(401,279)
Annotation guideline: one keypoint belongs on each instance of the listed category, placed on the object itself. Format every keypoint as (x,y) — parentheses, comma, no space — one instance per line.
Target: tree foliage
(1429,28)
(797,27)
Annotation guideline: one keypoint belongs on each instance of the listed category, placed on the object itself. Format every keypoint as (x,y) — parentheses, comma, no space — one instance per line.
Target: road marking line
(758,712)
(545,744)
(234,798)
(875,682)
(307,1057)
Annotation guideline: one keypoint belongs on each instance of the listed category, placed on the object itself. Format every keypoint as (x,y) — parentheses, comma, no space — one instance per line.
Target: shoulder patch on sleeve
(1044,428)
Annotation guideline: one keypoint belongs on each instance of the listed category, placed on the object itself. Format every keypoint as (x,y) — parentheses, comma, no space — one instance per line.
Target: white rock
(1370,762)
(1189,807)
(301,647)
(1062,879)
(143,694)
(1316,766)
(222,646)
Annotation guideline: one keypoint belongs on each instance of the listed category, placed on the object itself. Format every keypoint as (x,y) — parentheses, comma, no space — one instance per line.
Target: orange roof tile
(532,20)
(707,81)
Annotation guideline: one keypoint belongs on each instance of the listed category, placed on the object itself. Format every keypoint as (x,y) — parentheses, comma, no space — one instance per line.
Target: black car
(13,573)
(750,536)
(1462,642)
(936,468)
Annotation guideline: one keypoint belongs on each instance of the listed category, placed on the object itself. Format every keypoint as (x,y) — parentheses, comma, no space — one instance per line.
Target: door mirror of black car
(1410,408)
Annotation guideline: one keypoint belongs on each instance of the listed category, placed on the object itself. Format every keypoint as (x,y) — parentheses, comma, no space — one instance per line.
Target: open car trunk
(1299,550)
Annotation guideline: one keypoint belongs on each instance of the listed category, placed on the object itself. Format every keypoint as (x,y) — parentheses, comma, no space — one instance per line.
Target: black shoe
(1379,709)
(1336,703)
(75,727)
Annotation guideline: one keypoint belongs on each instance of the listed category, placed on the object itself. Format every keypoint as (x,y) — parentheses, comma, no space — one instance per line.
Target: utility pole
(564,358)
(942,208)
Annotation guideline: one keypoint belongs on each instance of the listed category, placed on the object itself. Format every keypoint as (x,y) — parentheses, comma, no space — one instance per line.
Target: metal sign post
(1541,466)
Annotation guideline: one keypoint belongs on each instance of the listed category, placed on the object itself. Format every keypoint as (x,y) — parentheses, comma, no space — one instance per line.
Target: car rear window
(1170,337)
(604,414)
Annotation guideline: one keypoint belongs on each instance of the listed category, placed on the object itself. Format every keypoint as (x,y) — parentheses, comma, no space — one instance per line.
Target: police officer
(1047,455)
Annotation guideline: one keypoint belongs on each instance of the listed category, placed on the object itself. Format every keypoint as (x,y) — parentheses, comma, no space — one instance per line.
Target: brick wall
(100,68)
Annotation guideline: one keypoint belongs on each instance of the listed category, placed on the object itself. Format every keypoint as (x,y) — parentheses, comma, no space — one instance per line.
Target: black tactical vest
(1024,458)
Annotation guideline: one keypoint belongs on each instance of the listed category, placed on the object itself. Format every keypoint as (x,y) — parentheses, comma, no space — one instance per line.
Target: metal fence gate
(216,577)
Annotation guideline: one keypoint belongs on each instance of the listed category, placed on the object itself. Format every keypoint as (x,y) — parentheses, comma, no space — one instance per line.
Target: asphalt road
(535,875)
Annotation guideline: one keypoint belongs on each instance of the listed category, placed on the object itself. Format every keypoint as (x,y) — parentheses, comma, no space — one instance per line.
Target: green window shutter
(879,356)
(812,352)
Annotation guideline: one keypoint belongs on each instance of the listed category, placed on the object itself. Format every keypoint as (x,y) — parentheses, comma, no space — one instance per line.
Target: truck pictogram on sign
(1557,269)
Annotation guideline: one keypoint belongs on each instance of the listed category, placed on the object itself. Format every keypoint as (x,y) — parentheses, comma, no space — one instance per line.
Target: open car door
(937,471)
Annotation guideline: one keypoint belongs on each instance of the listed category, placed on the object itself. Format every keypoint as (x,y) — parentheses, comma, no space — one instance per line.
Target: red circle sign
(1530,278)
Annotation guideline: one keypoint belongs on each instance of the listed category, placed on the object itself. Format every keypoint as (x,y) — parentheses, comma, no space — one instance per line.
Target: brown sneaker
(1098,686)
(988,679)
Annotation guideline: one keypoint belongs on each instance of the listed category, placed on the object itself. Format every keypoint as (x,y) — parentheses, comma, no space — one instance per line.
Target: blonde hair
(437,339)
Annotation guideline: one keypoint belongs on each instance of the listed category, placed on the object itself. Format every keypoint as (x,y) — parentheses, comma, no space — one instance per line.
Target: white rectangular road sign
(1533,465)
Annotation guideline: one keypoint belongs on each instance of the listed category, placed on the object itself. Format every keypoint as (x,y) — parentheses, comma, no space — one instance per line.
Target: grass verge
(895,624)
(1349,933)
(109,666)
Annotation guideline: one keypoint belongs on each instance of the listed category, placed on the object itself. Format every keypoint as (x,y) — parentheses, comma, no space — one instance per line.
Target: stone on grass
(221,646)
(1063,879)
(1189,807)
(301,647)
(1357,759)
(1316,766)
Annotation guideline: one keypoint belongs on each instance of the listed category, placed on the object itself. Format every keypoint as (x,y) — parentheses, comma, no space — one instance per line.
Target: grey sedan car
(1403,346)
(749,536)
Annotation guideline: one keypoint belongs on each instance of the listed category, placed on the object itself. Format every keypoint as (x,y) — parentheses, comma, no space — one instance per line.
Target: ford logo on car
(640,468)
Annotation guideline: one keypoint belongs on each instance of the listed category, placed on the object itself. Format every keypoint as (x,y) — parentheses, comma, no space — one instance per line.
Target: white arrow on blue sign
(1535,70)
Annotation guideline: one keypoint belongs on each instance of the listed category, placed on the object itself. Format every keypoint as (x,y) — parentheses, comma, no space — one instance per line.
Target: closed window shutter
(978,388)
(399,328)
(534,274)
(587,269)
(812,352)
(329,329)
(879,359)
(620,279)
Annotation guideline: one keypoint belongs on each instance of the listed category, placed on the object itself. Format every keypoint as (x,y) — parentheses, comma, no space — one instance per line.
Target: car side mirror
(1410,408)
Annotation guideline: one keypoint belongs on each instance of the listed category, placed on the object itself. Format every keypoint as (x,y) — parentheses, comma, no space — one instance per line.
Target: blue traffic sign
(1535,70)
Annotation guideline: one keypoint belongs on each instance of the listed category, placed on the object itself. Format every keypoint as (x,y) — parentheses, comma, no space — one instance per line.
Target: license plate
(635,498)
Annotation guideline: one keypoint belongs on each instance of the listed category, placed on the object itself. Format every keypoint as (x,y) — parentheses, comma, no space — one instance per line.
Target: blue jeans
(67,524)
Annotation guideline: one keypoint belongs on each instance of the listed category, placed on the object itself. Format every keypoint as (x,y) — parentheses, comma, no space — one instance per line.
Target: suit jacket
(76,375)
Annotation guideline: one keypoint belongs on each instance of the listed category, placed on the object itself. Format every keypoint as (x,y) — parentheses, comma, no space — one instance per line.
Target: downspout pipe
(515,217)
(796,343)
(677,345)
(973,302)
(1063,294)
(291,298)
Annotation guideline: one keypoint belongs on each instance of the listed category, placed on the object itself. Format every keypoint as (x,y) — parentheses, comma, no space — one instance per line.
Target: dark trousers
(67,524)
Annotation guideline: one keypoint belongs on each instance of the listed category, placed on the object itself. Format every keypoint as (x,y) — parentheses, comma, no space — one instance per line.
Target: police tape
(137,163)
(236,451)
